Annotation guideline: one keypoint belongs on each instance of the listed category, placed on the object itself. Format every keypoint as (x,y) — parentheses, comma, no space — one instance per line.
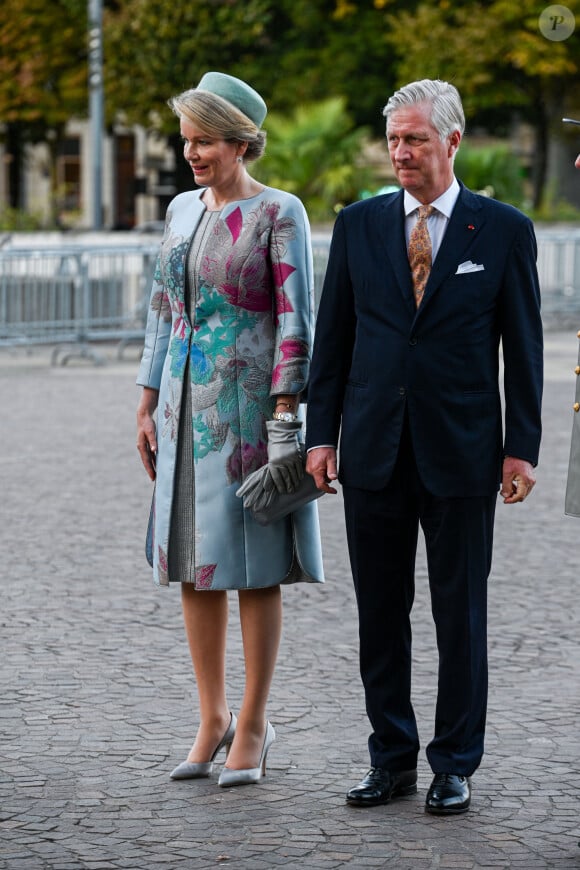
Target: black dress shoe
(448,794)
(379,786)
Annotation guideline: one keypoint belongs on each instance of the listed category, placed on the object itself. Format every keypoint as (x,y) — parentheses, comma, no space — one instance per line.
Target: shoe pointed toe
(192,770)
(230,777)
(448,794)
(380,786)
(201,769)
(248,776)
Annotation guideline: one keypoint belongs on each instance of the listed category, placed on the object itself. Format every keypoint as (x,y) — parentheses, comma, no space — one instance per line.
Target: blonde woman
(227,352)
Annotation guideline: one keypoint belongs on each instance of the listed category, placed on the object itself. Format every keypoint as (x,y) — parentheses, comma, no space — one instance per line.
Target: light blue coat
(251,339)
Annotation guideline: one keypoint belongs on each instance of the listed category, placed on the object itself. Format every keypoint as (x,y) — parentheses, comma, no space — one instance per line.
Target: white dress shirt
(437,222)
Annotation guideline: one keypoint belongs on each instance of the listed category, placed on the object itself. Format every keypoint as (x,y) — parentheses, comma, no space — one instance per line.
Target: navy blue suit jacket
(375,354)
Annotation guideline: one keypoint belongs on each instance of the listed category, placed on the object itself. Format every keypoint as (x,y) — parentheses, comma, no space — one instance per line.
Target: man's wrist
(320,446)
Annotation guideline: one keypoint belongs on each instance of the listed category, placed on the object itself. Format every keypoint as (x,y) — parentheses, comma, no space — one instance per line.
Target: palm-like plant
(316,153)
(493,169)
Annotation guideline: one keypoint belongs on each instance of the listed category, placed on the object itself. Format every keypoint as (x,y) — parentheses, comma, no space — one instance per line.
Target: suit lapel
(464,225)
(392,226)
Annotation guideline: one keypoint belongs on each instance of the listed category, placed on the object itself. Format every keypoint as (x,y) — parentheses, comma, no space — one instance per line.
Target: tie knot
(425,211)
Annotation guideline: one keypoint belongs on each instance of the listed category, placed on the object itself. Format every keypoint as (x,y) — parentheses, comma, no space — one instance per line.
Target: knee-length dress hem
(221,360)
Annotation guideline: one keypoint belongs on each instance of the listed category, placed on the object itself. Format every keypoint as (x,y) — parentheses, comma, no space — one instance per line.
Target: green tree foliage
(493,170)
(155,49)
(495,53)
(292,51)
(315,152)
(316,49)
(43,76)
(17,220)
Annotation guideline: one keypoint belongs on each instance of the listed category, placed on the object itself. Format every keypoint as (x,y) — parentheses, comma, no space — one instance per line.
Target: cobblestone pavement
(97,701)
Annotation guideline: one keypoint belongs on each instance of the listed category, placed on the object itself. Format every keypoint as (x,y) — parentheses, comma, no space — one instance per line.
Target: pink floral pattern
(249,339)
(204,576)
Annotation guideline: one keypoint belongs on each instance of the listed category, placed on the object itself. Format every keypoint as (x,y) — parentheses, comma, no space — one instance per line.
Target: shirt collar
(444,203)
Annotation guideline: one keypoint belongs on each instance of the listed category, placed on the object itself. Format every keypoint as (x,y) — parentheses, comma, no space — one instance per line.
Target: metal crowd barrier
(559,273)
(77,295)
(74,296)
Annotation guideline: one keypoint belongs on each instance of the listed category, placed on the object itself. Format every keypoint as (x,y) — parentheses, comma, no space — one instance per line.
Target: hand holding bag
(284,469)
(282,485)
(285,454)
(283,503)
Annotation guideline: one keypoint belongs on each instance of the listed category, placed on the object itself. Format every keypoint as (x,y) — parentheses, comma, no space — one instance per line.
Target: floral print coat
(250,339)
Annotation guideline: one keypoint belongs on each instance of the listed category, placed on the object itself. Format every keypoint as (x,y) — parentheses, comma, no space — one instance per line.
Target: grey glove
(284,470)
(285,456)
(258,489)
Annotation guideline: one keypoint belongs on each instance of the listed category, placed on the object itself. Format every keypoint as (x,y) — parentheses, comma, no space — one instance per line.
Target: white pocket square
(468,266)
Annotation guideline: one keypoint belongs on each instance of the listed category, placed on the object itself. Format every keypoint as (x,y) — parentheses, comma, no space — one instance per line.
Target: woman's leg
(261,622)
(206,619)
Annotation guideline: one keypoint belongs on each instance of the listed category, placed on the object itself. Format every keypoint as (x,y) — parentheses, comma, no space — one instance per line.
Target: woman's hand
(147,431)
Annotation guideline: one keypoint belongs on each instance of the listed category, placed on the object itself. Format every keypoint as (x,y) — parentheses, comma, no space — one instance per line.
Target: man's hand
(321,464)
(518,480)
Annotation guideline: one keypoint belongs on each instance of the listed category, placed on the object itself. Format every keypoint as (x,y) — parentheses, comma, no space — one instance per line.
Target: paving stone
(98,699)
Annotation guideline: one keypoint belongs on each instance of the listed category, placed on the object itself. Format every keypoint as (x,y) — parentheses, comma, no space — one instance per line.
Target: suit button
(578,334)
(577,370)
(577,406)
(413,341)
(402,391)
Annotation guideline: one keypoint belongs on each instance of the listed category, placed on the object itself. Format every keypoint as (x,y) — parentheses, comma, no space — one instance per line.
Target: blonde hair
(221,119)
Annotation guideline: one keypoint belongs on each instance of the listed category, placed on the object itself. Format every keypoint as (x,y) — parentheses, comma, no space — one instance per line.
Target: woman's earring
(240,159)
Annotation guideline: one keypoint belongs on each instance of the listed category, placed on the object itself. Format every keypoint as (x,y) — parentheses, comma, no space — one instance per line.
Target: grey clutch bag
(149,535)
(286,503)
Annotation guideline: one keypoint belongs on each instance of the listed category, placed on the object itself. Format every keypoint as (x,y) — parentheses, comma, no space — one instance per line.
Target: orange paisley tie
(420,252)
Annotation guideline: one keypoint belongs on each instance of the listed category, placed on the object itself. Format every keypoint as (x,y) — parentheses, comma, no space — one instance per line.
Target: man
(572,499)
(406,366)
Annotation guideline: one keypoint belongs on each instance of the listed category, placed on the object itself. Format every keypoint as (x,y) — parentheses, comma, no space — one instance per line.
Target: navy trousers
(382,530)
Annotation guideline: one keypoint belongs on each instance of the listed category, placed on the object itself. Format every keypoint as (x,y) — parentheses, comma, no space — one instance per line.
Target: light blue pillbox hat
(236,92)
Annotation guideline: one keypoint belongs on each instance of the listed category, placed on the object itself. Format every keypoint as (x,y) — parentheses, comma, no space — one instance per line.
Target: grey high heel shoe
(229,777)
(199,769)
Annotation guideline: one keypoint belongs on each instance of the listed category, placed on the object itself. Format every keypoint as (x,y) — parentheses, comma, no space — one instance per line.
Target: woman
(227,348)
